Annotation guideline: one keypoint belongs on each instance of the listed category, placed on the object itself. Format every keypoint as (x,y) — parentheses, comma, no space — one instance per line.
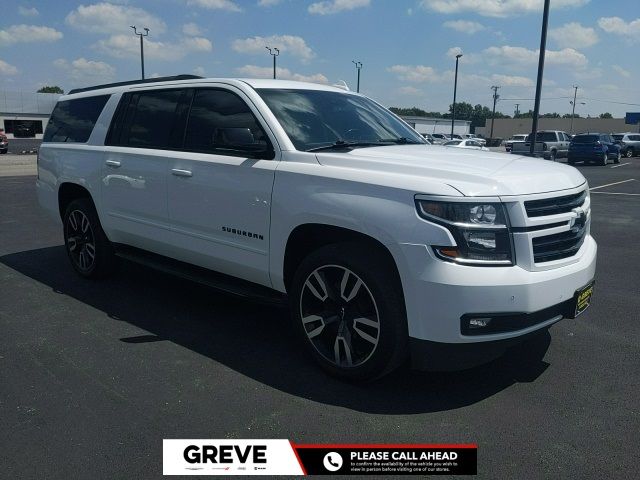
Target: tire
(618,157)
(628,153)
(89,250)
(552,155)
(603,160)
(571,161)
(334,287)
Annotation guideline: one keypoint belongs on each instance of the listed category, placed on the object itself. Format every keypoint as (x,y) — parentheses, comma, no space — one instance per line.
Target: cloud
(509,55)
(409,90)
(495,8)
(574,35)
(296,46)
(199,70)
(111,19)
(123,46)
(6,69)
(268,3)
(255,71)
(28,12)
(622,71)
(191,29)
(415,73)
(464,26)
(28,33)
(227,5)
(82,70)
(618,26)
(511,81)
(330,7)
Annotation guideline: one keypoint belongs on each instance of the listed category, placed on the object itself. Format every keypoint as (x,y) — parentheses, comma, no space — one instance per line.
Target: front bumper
(439,294)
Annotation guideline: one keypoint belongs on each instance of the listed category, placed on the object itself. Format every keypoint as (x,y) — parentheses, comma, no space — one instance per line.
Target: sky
(407,47)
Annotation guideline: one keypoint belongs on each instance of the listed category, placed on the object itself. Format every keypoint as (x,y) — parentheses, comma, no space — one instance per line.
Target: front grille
(553,206)
(559,245)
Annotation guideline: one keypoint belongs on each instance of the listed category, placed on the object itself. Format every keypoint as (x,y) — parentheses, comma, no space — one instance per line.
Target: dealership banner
(283,457)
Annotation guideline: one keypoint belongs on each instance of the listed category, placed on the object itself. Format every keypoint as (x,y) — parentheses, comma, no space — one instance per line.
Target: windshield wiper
(341,144)
(401,141)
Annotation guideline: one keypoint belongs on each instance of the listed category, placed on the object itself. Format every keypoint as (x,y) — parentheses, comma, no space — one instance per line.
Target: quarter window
(72,121)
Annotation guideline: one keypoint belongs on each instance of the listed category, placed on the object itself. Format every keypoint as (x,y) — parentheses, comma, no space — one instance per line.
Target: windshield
(585,139)
(317,118)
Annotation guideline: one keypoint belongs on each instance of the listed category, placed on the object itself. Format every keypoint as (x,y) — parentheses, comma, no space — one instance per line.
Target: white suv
(385,247)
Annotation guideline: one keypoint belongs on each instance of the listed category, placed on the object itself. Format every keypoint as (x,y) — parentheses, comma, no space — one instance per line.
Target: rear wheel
(88,248)
(629,152)
(348,311)
(603,160)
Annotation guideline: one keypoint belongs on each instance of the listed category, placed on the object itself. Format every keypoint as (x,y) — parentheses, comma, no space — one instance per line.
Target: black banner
(388,459)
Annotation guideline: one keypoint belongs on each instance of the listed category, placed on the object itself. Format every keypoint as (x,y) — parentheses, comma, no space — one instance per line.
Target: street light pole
(141,35)
(573,110)
(274,55)
(455,88)
(543,47)
(358,67)
(493,115)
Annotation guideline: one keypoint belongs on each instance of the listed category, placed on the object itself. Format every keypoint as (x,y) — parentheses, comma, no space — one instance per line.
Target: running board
(218,281)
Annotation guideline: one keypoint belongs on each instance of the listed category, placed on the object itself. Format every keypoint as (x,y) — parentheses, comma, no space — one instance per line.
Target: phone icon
(332,461)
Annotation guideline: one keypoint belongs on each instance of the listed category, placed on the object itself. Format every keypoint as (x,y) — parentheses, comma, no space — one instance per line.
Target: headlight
(480,229)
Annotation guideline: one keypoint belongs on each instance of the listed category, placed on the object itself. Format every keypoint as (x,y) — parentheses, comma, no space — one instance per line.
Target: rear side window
(72,121)
(220,122)
(151,119)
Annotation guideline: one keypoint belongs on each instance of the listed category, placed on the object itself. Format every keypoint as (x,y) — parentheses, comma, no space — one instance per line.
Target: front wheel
(628,153)
(88,248)
(552,155)
(348,310)
(618,158)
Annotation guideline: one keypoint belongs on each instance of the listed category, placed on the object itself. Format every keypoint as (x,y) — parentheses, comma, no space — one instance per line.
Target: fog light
(479,322)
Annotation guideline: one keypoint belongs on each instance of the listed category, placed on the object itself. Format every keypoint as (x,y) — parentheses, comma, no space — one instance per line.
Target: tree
(606,115)
(51,89)
(414,112)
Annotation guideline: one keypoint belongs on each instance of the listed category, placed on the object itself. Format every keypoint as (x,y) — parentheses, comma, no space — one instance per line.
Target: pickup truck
(550,144)
(385,248)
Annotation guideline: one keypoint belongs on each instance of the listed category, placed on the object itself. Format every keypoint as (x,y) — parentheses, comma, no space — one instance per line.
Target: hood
(471,172)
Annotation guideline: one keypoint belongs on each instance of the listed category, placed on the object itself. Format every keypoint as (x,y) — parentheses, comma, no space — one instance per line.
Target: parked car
(519,137)
(472,144)
(472,136)
(4,143)
(550,144)
(383,247)
(439,138)
(428,137)
(629,143)
(594,148)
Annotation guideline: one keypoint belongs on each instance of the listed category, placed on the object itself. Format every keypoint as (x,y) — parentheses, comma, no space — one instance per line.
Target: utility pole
(573,110)
(455,88)
(141,35)
(358,68)
(495,99)
(517,112)
(543,47)
(274,55)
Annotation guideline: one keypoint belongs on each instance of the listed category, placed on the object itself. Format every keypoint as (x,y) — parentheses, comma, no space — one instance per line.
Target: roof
(195,80)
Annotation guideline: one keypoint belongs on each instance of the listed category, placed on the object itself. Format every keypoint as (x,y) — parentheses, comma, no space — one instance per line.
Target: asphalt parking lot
(93,375)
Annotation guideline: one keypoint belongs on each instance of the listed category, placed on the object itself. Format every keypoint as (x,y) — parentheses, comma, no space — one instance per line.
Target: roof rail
(135,82)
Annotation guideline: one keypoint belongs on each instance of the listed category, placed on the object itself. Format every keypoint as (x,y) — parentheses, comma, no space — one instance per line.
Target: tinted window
(221,122)
(585,138)
(151,118)
(634,137)
(73,120)
(617,137)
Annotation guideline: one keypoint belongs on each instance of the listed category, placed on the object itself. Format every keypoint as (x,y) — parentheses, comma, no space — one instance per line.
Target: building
(507,127)
(25,115)
(438,125)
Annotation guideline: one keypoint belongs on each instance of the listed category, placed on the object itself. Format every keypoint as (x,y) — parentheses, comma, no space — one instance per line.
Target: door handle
(113,163)
(179,172)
